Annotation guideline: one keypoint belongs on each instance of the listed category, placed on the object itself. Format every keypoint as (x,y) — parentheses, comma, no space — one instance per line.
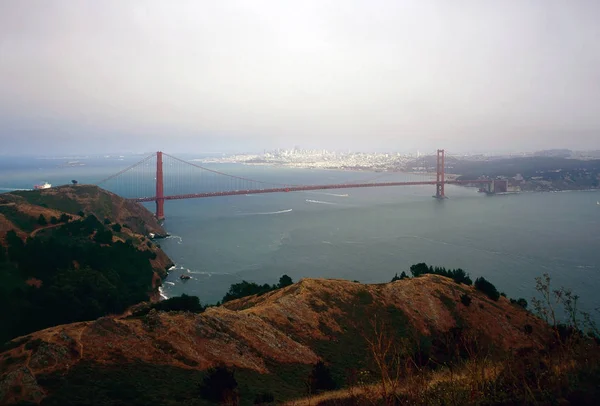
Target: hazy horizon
(95,78)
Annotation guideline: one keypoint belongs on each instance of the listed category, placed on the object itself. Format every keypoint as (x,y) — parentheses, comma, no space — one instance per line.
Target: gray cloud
(247,75)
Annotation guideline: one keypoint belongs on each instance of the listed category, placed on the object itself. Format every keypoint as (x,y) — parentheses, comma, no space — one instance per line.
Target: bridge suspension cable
(226,174)
(130,167)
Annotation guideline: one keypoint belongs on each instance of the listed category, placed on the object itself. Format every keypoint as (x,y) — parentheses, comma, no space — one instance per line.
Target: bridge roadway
(309,187)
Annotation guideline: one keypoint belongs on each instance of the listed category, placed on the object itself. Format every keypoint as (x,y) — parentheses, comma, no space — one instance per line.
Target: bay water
(367,235)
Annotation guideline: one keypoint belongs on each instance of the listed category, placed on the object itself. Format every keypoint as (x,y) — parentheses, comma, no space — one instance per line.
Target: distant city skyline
(237,76)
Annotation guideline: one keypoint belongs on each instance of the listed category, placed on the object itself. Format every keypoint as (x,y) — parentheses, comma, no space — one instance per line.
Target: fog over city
(243,76)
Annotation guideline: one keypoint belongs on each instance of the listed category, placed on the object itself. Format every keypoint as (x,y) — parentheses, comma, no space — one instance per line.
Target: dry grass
(278,327)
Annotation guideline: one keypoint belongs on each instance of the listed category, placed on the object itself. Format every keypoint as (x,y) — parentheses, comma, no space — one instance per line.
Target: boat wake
(265,213)
(329,194)
(170,283)
(176,237)
(321,202)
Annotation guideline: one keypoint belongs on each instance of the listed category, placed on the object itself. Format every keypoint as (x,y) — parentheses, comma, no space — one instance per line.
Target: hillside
(74,253)
(73,199)
(271,341)
(20,211)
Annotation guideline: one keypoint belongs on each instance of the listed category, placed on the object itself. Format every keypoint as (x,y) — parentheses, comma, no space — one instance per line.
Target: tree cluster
(244,288)
(486,287)
(65,276)
(458,275)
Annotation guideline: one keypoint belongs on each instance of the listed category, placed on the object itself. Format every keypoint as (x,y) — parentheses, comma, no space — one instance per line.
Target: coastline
(449,176)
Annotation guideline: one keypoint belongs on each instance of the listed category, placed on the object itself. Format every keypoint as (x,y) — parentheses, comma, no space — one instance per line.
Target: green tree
(264,398)
(285,281)
(522,302)
(460,276)
(219,385)
(116,227)
(103,236)
(53,220)
(320,378)
(486,287)
(42,220)
(16,246)
(64,218)
(420,269)
(180,303)
(244,288)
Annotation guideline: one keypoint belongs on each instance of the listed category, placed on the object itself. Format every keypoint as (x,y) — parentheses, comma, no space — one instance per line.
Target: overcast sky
(104,76)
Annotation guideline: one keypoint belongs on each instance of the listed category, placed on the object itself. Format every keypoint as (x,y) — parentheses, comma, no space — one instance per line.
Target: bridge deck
(308,188)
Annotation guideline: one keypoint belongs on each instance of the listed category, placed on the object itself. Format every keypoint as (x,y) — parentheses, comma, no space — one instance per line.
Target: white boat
(44,185)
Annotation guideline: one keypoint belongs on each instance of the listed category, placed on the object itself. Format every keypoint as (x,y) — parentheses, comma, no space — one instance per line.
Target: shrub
(219,385)
(262,398)
(458,275)
(116,227)
(107,221)
(180,303)
(482,285)
(42,220)
(419,269)
(80,213)
(285,281)
(103,237)
(244,288)
(403,275)
(364,297)
(465,299)
(320,378)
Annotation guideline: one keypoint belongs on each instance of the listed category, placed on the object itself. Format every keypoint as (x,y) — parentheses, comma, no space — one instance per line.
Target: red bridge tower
(439,185)
(160,194)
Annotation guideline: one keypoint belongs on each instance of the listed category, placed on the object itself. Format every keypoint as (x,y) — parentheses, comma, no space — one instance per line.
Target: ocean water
(360,234)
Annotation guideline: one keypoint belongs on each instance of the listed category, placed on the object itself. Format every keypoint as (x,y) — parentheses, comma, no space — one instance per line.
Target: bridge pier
(160,194)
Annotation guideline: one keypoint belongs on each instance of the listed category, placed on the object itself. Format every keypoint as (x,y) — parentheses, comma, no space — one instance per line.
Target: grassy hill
(272,342)
(74,253)
(89,199)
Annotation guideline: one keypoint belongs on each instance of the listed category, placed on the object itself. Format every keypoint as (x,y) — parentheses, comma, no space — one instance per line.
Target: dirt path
(37,230)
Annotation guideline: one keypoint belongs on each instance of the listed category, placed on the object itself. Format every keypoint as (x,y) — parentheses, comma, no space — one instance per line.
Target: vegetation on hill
(90,199)
(458,275)
(416,341)
(244,288)
(70,272)
(183,303)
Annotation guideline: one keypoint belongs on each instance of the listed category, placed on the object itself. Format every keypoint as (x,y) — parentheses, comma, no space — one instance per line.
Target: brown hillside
(20,210)
(92,199)
(284,327)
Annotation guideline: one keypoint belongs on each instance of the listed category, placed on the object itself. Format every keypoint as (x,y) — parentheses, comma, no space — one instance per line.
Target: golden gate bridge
(202,182)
